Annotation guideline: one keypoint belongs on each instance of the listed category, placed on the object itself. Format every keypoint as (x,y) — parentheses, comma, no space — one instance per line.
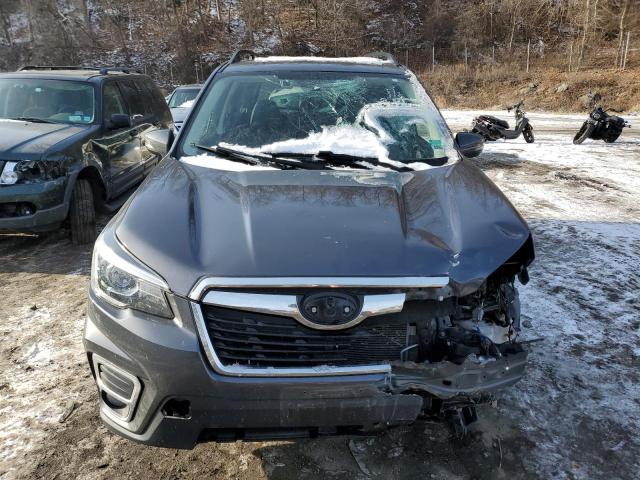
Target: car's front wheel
(82,213)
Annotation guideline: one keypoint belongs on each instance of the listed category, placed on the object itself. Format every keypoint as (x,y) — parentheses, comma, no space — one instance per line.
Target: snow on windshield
(388,118)
(375,135)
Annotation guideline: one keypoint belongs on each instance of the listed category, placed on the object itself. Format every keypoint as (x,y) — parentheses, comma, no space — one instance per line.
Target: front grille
(261,340)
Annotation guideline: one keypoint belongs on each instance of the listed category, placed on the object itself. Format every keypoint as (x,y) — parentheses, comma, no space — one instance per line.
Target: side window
(139,108)
(112,101)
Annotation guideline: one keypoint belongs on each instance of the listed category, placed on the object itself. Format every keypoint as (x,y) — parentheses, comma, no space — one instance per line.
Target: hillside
(482,53)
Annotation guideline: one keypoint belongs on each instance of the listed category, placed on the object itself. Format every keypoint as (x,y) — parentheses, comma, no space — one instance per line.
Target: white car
(180,102)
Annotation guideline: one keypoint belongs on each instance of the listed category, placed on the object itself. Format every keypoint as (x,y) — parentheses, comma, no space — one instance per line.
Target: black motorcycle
(601,126)
(494,128)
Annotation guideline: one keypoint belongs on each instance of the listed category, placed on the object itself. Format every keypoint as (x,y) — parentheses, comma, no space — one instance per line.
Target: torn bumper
(167,359)
(48,200)
(446,380)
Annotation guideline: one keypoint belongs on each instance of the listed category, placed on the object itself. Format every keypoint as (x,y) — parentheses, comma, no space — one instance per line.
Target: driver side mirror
(158,142)
(469,144)
(119,120)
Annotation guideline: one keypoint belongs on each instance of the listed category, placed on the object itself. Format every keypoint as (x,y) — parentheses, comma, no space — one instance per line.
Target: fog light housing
(119,390)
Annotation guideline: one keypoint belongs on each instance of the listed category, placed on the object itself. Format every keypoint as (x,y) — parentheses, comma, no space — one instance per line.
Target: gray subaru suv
(314,255)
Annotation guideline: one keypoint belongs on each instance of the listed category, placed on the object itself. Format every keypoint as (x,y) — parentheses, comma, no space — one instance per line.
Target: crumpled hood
(187,222)
(28,141)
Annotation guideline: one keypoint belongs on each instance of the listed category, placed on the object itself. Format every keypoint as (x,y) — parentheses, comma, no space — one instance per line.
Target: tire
(527,133)
(585,132)
(82,214)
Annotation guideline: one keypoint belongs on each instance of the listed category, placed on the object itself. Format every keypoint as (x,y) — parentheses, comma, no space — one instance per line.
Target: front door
(121,146)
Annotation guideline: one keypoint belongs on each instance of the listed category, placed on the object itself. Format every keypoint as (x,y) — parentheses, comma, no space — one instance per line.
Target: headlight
(9,176)
(125,282)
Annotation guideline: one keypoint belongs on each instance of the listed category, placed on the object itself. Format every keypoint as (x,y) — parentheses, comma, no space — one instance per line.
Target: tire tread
(82,214)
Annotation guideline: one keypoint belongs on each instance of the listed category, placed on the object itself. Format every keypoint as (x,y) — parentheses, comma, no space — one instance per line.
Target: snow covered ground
(580,402)
(575,415)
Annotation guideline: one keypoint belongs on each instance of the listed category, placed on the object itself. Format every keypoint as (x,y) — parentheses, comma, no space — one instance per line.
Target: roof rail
(383,56)
(102,70)
(55,67)
(242,54)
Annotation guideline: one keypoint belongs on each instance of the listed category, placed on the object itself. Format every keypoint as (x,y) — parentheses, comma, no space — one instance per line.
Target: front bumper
(167,358)
(49,199)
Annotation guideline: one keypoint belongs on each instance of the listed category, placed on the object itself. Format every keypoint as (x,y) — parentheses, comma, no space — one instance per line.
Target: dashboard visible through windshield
(378,116)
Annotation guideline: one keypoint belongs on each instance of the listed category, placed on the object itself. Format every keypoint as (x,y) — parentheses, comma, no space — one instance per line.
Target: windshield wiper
(339,157)
(259,159)
(328,158)
(346,160)
(231,154)
(32,120)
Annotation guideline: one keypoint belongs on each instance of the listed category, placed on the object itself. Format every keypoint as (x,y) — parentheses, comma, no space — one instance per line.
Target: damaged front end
(469,350)
(440,354)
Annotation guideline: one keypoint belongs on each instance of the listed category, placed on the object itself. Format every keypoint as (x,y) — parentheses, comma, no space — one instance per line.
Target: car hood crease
(189,222)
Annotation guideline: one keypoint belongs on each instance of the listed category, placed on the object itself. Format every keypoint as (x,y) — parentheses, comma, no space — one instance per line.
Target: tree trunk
(513,25)
(585,31)
(623,14)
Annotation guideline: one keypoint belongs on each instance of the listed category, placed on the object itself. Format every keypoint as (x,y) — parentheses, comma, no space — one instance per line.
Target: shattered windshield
(388,118)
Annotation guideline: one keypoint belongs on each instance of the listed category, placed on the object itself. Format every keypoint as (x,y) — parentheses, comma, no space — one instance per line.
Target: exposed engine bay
(458,358)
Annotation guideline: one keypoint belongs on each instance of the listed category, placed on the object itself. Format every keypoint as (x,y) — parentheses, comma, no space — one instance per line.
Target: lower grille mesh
(260,340)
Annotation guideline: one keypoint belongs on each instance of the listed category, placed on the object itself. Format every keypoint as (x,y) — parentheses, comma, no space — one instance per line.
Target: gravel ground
(576,415)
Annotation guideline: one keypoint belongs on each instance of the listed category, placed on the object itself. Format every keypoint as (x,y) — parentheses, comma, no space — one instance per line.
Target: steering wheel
(66,109)
(309,110)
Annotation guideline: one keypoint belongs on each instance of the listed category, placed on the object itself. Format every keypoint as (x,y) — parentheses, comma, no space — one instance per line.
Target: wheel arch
(93,176)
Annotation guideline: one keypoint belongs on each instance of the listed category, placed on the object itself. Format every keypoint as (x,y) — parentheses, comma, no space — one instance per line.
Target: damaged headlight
(9,176)
(125,282)
(26,171)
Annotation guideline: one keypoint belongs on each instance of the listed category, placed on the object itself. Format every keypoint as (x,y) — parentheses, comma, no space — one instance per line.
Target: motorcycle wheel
(527,133)
(585,132)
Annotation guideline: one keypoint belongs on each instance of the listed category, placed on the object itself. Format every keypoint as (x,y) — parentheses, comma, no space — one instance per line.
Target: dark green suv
(72,139)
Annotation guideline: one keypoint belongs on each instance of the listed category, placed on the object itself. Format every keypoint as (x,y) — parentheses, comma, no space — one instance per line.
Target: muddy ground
(575,415)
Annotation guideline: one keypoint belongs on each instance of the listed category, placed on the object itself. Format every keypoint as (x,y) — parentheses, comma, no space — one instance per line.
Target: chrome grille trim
(287,305)
(200,293)
(316,282)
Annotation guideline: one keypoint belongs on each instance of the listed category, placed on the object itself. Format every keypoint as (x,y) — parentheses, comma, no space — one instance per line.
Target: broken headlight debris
(126,283)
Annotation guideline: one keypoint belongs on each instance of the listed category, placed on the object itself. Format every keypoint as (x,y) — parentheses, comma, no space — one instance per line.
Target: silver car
(180,102)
